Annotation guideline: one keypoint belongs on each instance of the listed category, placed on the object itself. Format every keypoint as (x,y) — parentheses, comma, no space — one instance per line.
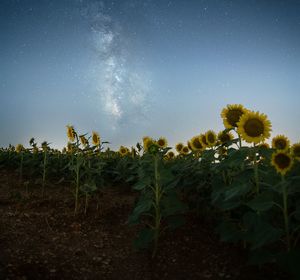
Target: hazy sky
(132,68)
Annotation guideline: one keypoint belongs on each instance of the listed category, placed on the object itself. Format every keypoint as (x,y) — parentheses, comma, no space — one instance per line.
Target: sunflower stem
(21,167)
(157,205)
(285,213)
(44,173)
(256,177)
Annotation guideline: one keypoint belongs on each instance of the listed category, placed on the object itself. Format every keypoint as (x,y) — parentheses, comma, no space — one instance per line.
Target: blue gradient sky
(133,68)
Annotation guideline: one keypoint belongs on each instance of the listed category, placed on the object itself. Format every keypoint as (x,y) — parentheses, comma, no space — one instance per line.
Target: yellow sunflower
(282,161)
(231,114)
(19,148)
(185,150)
(83,140)
(170,155)
(71,133)
(264,145)
(254,127)
(123,151)
(162,142)
(202,138)
(147,142)
(196,144)
(225,136)
(95,138)
(179,147)
(280,142)
(296,151)
(211,138)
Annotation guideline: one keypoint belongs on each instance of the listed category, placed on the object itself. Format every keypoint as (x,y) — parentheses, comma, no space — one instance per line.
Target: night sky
(133,68)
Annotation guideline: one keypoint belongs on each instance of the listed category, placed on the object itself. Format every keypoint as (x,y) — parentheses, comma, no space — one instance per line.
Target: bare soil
(40,238)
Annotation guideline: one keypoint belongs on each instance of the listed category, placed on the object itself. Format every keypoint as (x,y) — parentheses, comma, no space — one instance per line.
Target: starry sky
(132,68)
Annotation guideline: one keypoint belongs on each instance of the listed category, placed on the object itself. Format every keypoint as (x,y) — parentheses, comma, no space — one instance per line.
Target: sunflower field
(249,189)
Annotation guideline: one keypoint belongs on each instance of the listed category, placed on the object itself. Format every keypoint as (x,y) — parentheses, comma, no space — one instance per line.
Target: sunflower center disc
(282,161)
(211,138)
(280,144)
(254,128)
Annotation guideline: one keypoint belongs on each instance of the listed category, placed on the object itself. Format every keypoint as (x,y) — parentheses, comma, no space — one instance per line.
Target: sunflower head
(282,161)
(225,136)
(185,150)
(95,138)
(19,148)
(211,138)
(123,151)
(170,155)
(162,142)
(296,151)
(147,143)
(222,151)
(281,143)
(264,146)
(254,127)
(231,114)
(71,133)
(196,144)
(83,140)
(179,147)
(203,141)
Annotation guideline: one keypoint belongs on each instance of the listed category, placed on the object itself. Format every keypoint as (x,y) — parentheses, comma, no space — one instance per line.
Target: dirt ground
(41,239)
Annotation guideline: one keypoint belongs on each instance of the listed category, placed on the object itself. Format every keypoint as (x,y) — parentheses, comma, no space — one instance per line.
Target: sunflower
(280,142)
(162,142)
(222,151)
(179,147)
(71,133)
(83,140)
(196,144)
(224,136)
(19,148)
(147,142)
(202,138)
(254,127)
(185,150)
(170,155)
(282,161)
(123,151)
(95,138)
(264,146)
(296,151)
(211,138)
(231,114)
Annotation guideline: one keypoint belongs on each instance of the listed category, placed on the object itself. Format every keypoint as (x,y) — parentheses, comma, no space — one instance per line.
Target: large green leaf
(258,231)
(262,202)
(144,204)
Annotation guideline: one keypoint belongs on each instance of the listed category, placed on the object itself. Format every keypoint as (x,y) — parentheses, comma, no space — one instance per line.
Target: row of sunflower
(232,176)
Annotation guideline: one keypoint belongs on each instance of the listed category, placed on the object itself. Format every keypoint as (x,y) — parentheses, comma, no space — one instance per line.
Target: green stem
(21,167)
(256,178)
(157,205)
(77,185)
(44,173)
(285,213)
(86,203)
